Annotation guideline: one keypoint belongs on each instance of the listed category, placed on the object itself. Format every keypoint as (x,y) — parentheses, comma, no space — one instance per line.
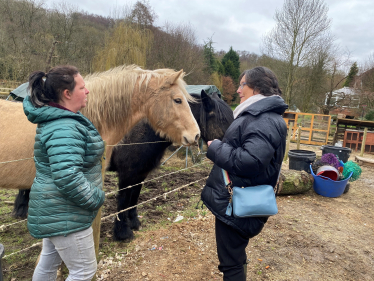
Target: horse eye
(178,101)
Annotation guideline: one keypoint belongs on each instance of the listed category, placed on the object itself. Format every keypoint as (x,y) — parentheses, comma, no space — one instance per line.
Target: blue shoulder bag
(251,201)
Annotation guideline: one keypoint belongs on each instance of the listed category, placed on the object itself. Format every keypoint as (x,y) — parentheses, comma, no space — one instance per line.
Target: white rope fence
(152,199)
(116,214)
(119,144)
(23,250)
(135,143)
(16,160)
(4,226)
(145,181)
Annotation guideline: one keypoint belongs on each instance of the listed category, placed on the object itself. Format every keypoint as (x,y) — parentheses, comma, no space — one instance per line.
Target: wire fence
(116,214)
(10,161)
(5,226)
(156,178)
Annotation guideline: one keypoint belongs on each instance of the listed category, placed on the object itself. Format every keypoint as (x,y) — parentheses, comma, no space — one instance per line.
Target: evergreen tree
(221,68)
(230,70)
(231,64)
(351,75)
(210,59)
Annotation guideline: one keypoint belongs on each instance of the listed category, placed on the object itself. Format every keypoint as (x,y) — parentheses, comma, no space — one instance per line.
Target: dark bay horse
(134,163)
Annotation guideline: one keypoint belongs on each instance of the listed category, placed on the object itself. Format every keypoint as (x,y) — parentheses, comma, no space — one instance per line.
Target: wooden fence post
(298,137)
(96,225)
(363,142)
(288,141)
(1,256)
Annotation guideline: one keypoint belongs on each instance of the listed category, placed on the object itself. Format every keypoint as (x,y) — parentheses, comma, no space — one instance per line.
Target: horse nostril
(185,140)
(197,137)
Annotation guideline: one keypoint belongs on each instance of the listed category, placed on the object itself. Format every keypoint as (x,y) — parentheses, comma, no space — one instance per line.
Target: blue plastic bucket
(327,187)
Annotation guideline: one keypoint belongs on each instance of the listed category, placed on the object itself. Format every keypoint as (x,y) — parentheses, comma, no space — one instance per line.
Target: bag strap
(226,177)
(228,185)
(228,182)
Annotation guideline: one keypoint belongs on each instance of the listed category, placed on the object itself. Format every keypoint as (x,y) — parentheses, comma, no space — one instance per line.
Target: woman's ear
(66,94)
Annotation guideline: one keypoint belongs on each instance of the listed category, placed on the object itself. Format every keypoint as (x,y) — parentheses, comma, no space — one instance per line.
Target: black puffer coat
(251,152)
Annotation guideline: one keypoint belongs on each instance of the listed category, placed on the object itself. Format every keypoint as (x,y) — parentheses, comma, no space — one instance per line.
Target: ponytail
(37,89)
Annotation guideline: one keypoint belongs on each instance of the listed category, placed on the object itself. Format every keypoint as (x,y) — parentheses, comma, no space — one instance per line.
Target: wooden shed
(342,125)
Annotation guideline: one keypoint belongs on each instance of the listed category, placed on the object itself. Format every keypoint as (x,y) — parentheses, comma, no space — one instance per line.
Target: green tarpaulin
(209,89)
(20,92)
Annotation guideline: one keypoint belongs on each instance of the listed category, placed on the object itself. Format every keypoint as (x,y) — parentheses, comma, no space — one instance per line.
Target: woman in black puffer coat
(251,152)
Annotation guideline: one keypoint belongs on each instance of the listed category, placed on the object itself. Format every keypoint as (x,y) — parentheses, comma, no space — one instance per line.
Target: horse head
(215,117)
(168,111)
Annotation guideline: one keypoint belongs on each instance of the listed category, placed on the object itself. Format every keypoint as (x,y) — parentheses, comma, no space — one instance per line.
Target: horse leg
(133,213)
(21,204)
(122,229)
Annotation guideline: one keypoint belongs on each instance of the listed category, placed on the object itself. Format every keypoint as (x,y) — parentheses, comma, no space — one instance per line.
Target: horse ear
(172,79)
(207,101)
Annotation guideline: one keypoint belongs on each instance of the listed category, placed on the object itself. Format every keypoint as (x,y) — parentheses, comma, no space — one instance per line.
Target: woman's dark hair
(56,81)
(262,80)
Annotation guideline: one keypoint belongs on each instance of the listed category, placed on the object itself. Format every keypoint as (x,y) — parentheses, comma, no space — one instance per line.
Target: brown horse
(119,98)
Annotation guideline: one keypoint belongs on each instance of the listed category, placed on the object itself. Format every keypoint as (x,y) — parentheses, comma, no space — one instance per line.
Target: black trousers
(231,252)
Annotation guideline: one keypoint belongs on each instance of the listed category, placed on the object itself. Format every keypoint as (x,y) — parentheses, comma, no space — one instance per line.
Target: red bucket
(328,172)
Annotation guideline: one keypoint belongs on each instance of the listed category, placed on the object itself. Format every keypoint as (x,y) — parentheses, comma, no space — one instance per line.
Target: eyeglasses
(241,86)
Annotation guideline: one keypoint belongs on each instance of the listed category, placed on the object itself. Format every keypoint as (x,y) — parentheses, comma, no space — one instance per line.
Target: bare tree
(335,77)
(143,14)
(23,39)
(301,26)
(175,46)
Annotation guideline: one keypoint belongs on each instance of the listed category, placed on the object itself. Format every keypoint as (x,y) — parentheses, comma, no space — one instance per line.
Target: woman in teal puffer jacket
(67,189)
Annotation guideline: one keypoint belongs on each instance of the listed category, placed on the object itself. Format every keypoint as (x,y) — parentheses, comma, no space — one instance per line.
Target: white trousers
(77,250)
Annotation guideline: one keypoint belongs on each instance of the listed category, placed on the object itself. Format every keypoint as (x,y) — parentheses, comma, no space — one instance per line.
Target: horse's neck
(116,133)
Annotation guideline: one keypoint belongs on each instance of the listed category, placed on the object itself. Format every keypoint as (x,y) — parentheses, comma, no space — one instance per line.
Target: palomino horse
(134,163)
(119,98)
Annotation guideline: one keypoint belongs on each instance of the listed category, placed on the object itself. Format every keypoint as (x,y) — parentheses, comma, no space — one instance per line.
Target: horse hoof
(20,214)
(135,224)
(124,236)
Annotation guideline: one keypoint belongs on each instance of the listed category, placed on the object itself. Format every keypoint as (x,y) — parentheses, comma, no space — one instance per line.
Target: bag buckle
(229,188)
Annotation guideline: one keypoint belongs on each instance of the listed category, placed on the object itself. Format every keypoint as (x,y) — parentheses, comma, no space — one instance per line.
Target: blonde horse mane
(109,101)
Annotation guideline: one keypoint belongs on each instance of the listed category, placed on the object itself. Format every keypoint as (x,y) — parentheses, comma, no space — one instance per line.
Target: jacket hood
(271,104)
(42,114)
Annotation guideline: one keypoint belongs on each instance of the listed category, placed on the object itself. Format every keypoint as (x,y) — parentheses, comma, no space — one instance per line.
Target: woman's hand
(209,142)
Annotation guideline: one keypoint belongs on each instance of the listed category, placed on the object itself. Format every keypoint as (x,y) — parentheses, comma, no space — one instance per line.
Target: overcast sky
(242,23)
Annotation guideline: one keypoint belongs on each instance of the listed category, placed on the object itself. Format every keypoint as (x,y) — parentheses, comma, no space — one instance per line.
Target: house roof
(345,91)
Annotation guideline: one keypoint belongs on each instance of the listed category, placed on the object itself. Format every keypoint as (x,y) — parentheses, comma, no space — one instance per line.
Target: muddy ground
(312,237)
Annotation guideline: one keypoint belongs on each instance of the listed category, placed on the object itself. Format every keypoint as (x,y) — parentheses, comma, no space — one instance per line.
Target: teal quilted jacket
(67,189)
